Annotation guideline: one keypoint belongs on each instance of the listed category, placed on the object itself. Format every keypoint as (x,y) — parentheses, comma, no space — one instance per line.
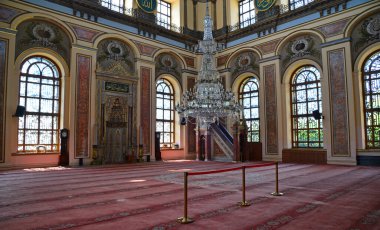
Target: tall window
(249,98)
(371,91)
(306,98)
(163,14)
(246,13)
(165,112)
(40,94)
(294,4)
(115,5)
(121,6)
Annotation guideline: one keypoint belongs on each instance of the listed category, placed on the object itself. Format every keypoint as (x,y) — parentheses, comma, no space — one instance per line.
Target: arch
(51,54)
(169,51)
(239,51)
(174,81)
(102,37)
(296,34)
(351,25)
(237,82)
(288,73)
(52,19)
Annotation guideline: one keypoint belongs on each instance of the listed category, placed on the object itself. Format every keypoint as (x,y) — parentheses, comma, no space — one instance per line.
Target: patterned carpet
(150,196)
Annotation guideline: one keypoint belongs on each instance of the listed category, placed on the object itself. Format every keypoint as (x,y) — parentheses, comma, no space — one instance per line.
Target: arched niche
(43,34)
(246,61)
(168,63)
(303,45)
(115,58)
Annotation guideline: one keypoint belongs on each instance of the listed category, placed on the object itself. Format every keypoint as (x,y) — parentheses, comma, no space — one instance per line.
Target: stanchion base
(277,194)
(244,204)
(184,220)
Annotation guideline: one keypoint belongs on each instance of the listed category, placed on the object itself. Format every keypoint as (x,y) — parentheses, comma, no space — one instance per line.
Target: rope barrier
(186,220)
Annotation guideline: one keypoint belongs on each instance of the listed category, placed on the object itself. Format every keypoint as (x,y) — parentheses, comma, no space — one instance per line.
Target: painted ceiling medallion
(300,46)
(373,26)
(43,32)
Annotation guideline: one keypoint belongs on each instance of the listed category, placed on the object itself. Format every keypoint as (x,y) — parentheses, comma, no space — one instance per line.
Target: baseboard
(368,160)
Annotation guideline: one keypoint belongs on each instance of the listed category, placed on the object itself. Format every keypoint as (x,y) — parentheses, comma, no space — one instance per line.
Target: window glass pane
(33,90)
(46,106)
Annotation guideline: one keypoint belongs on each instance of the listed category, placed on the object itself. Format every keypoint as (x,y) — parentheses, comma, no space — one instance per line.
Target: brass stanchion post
(185,219)
(243,203)
(276,193)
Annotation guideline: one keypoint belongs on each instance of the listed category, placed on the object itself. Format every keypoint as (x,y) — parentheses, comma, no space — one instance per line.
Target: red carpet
(150,196)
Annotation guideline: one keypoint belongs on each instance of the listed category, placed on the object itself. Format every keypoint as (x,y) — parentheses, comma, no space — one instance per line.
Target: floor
(151,196)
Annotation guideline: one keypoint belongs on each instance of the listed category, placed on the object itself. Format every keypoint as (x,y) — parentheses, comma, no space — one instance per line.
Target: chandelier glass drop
(208,101)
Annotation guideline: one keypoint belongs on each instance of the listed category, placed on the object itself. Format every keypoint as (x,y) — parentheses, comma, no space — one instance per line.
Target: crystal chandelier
(208,101)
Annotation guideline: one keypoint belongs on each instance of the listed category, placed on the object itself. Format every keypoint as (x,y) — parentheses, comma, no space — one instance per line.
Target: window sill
(34,154)
(165,149)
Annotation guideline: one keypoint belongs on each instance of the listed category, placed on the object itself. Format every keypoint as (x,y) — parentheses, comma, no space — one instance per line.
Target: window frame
(171,120)
(251,20)
(302,3)
(364,95)
(293,103)
(241,94)
(57,82)
(117,8)
(159,14)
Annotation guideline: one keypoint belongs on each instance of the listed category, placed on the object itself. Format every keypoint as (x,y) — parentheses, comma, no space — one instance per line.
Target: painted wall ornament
(32,34)
(263,5)
(365,33)
(148,6)
(307,46)
(168,64)
(244,62)
(115,58)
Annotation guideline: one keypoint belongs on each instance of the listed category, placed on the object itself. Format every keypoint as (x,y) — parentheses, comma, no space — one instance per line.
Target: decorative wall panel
(191,125)
(190,61)
(221,61)
(339,110)
(334,28)
(271,109)
(7,14)
(84,33)
(3,63)
(146,104)
(82,105)
(146,49)
(268,47)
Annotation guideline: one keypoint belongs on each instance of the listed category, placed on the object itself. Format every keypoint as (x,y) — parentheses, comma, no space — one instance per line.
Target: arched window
(40,94)
(165,112)
(306,97)
(371,91)
(249,98)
